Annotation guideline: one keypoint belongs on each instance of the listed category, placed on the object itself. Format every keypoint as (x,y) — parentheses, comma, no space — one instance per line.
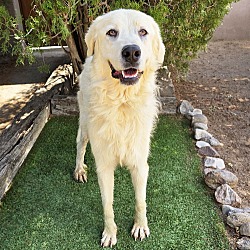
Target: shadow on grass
(46,209)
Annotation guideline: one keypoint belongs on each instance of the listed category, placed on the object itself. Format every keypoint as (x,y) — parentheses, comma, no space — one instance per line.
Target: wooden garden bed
(18,138)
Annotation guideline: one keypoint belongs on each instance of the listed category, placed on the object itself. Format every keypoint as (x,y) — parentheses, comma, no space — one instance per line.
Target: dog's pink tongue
(130,73)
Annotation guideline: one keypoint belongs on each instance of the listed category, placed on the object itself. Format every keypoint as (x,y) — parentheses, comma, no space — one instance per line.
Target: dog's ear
(91,36)
(90,39)
(158,46)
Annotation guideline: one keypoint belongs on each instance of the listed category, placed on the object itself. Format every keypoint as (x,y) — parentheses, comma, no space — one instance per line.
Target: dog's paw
(140,232)
(80,173)
(108,238)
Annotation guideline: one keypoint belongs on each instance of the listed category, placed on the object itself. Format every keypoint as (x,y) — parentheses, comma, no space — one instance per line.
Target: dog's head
(125,43)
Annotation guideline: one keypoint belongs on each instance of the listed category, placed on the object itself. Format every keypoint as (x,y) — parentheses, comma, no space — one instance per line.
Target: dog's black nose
(131,53)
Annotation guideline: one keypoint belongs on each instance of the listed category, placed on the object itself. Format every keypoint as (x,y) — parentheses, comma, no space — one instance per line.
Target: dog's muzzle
(130,56)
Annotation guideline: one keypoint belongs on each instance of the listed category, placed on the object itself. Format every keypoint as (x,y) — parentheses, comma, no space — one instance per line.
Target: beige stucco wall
(236,24)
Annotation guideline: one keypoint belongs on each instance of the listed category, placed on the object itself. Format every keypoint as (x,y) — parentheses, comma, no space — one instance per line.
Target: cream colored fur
(118,119)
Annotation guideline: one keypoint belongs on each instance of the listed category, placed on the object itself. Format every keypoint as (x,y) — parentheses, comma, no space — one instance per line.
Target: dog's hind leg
(139,177)
(80,173)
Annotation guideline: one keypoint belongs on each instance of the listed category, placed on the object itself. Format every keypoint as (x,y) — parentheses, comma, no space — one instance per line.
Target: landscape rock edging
(216,176)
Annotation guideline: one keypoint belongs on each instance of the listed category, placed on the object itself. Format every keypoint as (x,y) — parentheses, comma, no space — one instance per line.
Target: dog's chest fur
(122,117)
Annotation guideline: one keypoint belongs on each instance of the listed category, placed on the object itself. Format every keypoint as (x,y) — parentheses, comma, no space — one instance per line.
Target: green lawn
(47,209)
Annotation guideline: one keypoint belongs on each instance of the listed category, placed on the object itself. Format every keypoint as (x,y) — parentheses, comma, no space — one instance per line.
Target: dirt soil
(218,82)
(12,99)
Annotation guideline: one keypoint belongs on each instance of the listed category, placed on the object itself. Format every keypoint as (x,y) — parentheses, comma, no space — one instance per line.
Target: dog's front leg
(80,173)
(106,183)
(139,176)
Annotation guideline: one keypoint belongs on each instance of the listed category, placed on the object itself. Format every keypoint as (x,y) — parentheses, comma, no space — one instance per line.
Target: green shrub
(12,39)
(186,25)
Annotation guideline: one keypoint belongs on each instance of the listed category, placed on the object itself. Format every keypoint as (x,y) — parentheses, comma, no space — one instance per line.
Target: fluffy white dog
(118,107)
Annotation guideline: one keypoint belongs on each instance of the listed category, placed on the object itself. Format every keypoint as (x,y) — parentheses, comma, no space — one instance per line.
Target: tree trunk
(74,54)
(76,42)
(83,20)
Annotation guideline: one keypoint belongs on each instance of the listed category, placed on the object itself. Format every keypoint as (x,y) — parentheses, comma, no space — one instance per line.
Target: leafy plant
(186,26)
(12,37)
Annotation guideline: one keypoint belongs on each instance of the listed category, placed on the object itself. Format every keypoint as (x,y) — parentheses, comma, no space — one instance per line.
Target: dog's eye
(143,32)
(112,33)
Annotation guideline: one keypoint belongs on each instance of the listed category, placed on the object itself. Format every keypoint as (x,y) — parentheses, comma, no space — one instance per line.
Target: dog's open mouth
(127,76)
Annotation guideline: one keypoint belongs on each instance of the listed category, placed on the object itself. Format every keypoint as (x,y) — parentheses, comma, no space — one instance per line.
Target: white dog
(118,107)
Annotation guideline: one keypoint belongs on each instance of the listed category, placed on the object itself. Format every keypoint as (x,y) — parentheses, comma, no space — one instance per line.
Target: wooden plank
(17,140)
(11,135)
(12,162)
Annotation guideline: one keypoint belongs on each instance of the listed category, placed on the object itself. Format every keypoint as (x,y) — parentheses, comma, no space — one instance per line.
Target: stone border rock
(216,176)
(166,91)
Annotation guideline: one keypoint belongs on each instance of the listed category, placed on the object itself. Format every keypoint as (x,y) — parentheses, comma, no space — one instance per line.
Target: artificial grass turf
(47,209)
